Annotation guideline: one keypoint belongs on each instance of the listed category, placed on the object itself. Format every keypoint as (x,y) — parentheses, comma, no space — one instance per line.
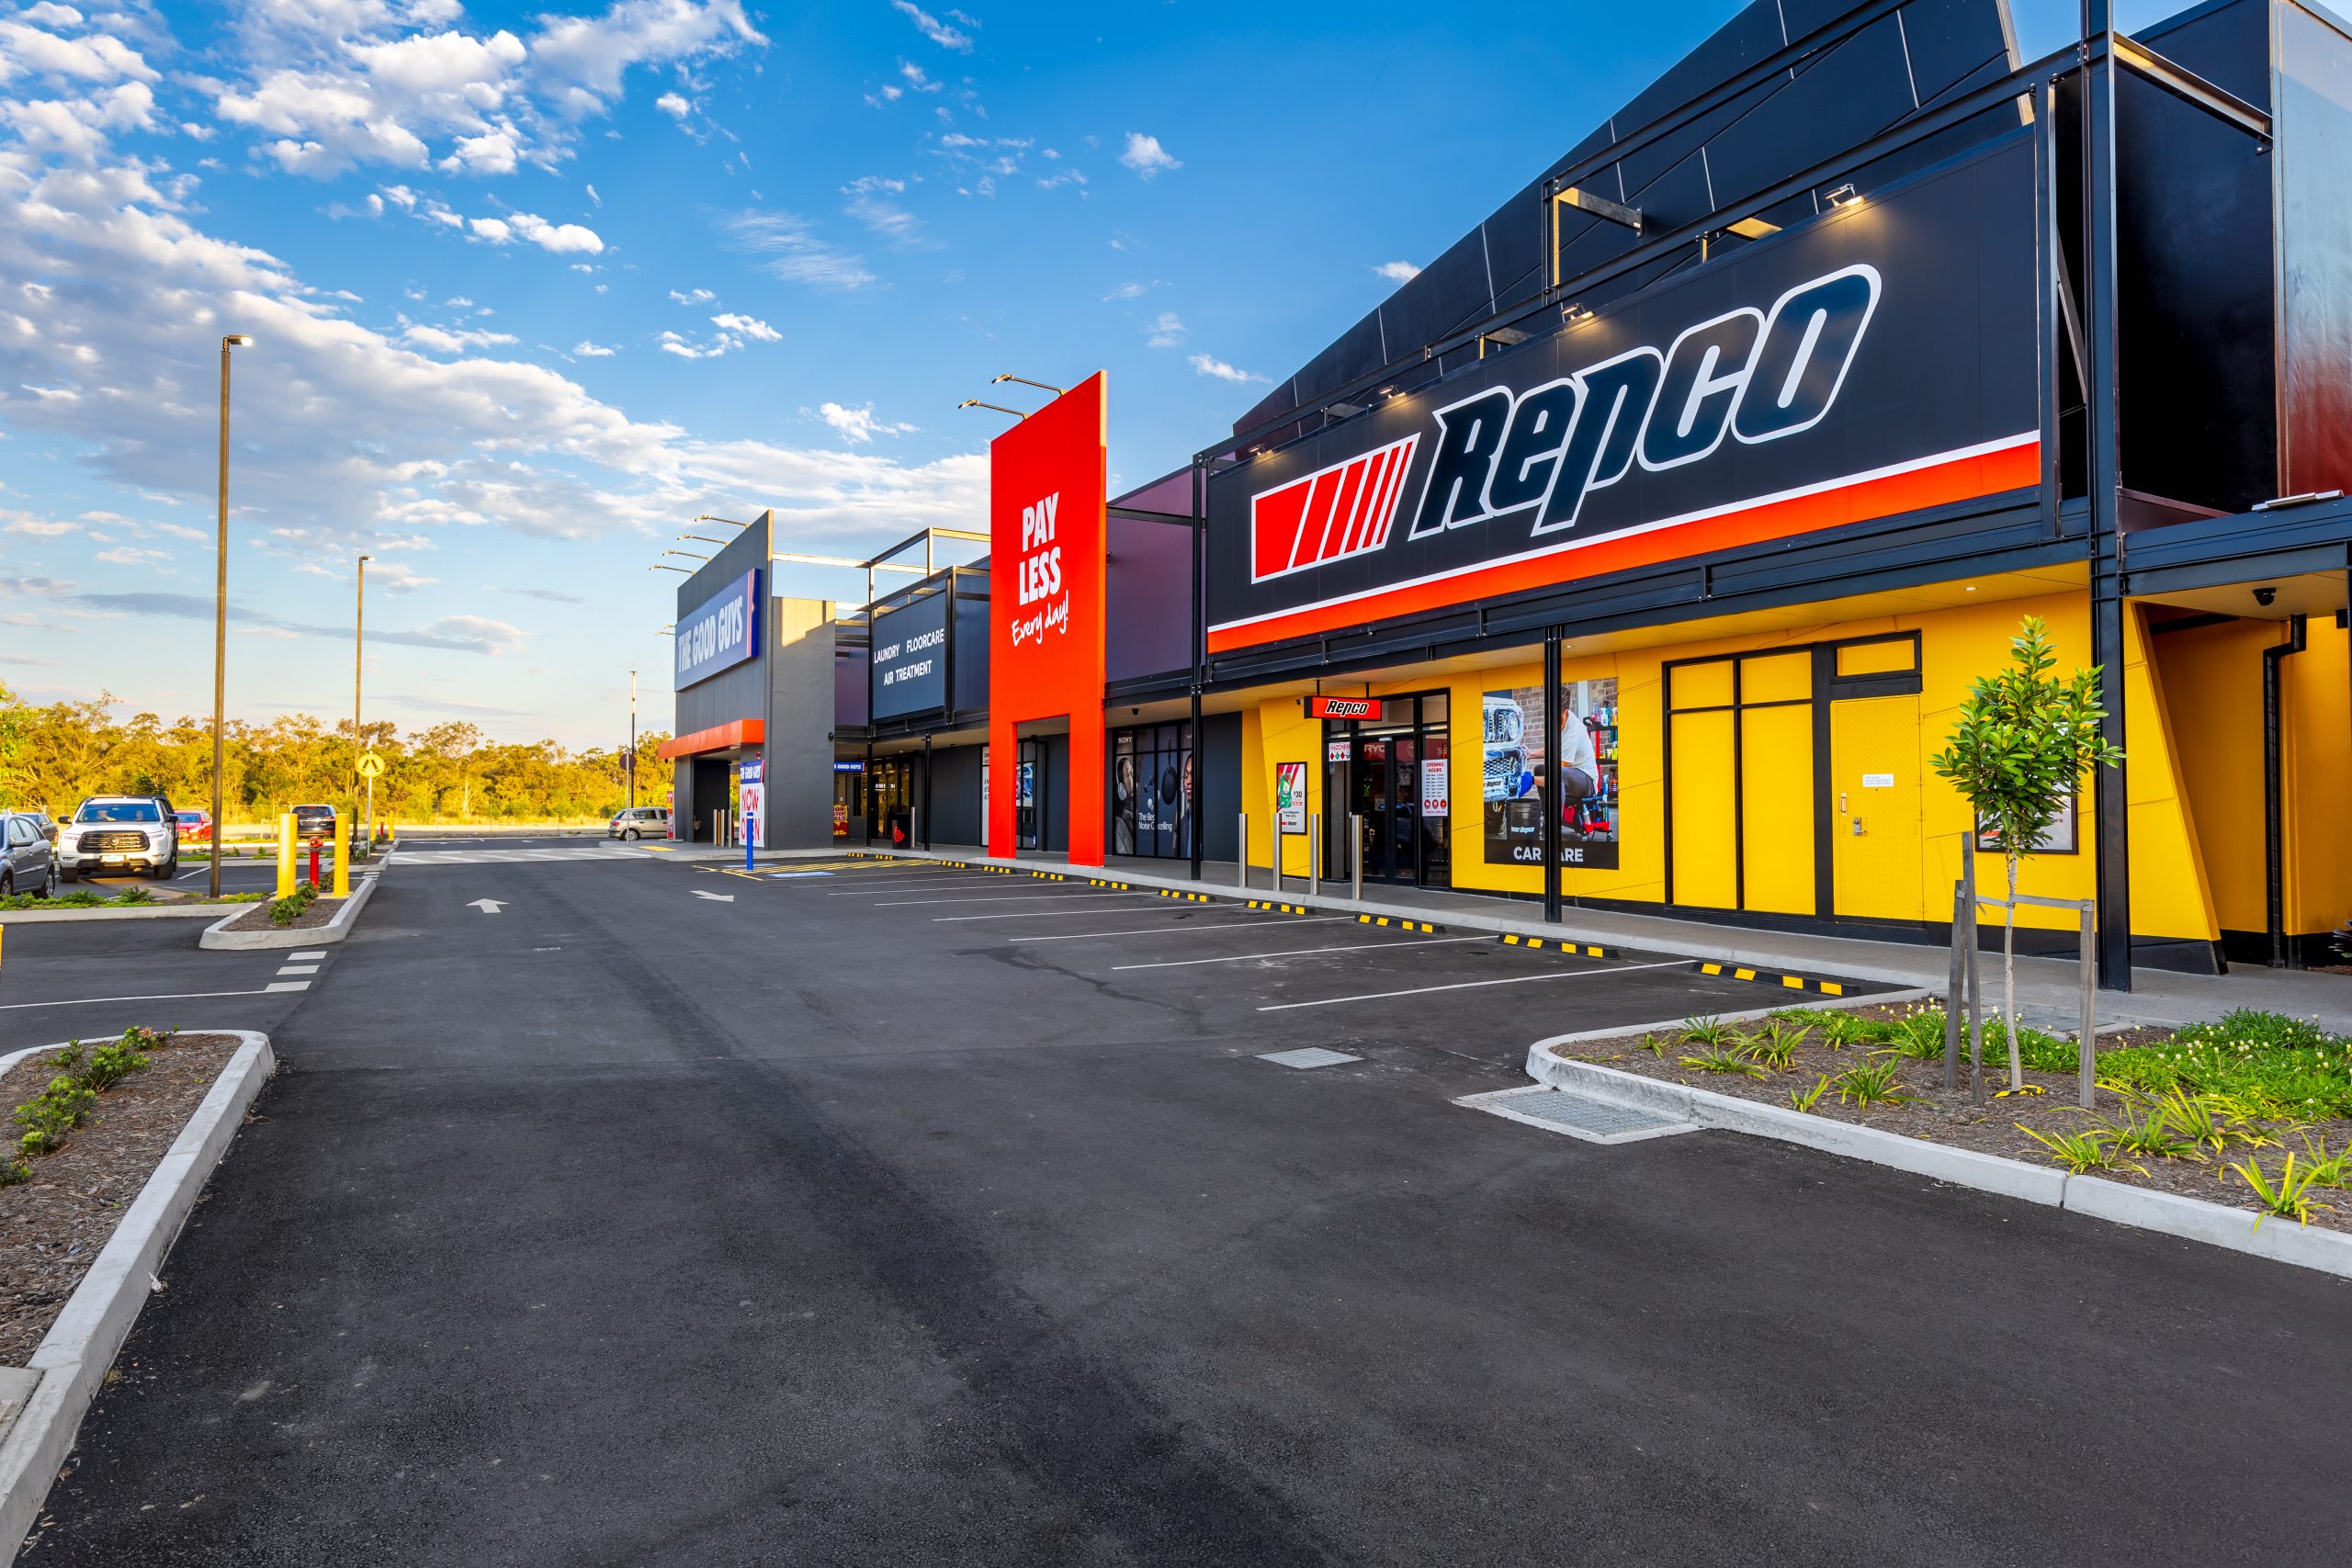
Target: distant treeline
(51,756)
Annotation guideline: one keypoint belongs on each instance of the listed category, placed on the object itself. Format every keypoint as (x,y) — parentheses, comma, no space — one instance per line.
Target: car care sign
(1047,478)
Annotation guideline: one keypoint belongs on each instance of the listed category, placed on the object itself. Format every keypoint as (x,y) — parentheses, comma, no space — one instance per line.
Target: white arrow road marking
(715,898)
(487,906)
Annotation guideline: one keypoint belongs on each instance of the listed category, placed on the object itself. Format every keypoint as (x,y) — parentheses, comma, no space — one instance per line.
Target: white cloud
(438,341)
(561,239)
(932,28)
(916,79)
(1220,369)
(673,105)
(484,635)
(794,253)
(396,577)
(587,350)
(858,424)
(888,219)
(497,230)
(692,296)
(1167,331)
(37,527)
(124,555)
(1126,291)
(593,198)
(350,429)
(1146,156)
(749,326)
(1399,271)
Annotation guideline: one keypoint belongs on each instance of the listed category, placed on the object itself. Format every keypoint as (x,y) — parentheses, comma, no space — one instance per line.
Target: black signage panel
(909,664)
(1874,361)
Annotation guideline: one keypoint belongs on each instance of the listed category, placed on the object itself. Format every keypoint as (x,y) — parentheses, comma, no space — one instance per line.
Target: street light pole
(631,770)
(358,654)
(221,616)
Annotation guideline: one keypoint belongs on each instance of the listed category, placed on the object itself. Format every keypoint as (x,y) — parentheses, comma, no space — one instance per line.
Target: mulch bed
(257,919)
(52,1227)
(1956,1120)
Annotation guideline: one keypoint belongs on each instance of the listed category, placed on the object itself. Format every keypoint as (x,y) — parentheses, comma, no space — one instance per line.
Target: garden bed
(2256,1088)
(319,912)
(54,1225)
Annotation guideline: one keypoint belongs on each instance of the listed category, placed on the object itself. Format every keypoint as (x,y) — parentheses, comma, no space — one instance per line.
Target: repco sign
(1857,367)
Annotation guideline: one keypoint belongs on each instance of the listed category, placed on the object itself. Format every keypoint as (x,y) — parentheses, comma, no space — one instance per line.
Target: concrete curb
(2193,1219)
(81,1344)
(221,939)
(99,912)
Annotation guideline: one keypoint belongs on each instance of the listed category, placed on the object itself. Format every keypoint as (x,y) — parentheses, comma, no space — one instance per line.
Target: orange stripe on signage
(1962,479)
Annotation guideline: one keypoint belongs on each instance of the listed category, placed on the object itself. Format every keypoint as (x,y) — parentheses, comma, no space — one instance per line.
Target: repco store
(1640,552)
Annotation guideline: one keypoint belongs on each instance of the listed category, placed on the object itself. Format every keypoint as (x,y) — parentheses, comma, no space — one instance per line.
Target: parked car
(194,826)
(28,861)
(119,832)
(314,821)
(639,823)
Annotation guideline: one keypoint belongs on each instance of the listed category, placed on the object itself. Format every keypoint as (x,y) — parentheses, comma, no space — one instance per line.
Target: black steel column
(865,781)
(1552,796)
(2102,432)
(1200,660)
(926,792)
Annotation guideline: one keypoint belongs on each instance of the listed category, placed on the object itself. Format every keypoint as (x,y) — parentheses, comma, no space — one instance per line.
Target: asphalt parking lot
(854,1213)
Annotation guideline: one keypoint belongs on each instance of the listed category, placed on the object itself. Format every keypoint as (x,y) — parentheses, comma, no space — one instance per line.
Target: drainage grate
(1579,1116)
(1308,1057)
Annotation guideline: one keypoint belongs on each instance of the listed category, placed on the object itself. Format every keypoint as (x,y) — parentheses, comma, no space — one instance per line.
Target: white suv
(120,833)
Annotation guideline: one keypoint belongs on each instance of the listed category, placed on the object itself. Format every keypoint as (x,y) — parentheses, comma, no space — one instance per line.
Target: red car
(193,826)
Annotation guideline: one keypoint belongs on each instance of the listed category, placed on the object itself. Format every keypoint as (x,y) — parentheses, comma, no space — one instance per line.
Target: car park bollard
(342,864)
(285,855)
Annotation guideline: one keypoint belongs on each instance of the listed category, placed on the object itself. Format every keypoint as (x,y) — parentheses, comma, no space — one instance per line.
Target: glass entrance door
(1029,795)
(1399,787)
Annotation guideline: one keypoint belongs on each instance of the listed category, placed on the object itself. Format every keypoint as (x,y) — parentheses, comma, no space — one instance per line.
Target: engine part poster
(1521,767)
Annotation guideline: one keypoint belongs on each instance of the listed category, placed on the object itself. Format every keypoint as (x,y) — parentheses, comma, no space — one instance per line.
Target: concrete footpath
(2044,985)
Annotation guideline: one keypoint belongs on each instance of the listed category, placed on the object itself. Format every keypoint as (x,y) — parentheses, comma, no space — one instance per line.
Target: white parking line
(1178,930)
(298,969)
(288,985)
(1472,984)
(304,957)
(864,887)
(1005,899)
(1298,951)
(166,997)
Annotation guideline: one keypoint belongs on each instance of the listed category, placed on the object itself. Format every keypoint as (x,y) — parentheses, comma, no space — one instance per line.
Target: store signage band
(1792,386)
(908,668)
(1342,708)
(720,633)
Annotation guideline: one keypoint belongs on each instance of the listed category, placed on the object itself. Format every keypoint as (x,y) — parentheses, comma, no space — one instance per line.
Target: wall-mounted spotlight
(687,554)
(712,517)
(704,538)
(1844,196)
(679,569)
(1341,411)
(1024,381)
(992,408)
(1574,315)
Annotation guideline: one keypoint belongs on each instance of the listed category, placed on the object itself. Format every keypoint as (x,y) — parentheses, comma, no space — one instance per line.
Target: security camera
(2266,595)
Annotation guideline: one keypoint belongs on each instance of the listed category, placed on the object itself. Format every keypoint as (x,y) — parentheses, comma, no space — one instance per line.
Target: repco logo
(1750,375)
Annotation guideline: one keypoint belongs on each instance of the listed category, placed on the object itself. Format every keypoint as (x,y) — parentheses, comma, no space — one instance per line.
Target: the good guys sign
(1045,526)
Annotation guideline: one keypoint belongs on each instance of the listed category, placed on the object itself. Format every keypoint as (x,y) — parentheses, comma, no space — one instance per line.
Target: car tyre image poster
(1518,775)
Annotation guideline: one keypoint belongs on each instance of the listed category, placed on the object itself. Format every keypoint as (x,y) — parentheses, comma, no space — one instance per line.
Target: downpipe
(2274,814)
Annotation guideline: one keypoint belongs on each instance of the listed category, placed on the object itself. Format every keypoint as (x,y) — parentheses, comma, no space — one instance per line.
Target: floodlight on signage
(687,554)
(992,408)
(1753,228)
(1342,410)
(1571,315)
(704,537)
(1024,381)
(1601,207)
(713,517)
(681,570)
(1844,196)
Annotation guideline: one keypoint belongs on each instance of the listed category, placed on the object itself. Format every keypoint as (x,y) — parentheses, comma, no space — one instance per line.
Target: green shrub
(286,910)
(2266,1065)
(1873,1083)
(2091,1149)
(1724,1059)
(1919,1036)
(81,1076)
(1708,1032)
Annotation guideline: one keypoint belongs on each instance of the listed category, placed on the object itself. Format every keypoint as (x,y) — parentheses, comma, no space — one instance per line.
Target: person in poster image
(1122,807)
(1579,770)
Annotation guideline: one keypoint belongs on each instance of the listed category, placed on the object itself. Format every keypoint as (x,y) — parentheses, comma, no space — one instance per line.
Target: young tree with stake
(2018,753)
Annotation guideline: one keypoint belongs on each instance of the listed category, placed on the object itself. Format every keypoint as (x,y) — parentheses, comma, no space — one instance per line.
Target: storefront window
(1521,770)
(1151,776)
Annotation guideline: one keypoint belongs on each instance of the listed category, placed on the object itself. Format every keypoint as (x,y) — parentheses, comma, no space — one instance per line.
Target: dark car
(28,864)
(314,821)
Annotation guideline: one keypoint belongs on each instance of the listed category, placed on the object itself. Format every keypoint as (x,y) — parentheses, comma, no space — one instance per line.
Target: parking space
(73,980)
(1323,977)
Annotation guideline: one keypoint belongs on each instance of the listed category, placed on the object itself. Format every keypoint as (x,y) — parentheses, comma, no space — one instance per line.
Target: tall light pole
(632,737)
(221,616)
(358,653)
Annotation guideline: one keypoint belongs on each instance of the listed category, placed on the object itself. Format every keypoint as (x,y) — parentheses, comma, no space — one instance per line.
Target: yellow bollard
(342,858)
(285,855)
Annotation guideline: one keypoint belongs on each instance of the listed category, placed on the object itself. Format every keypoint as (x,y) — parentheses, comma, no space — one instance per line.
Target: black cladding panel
(1865,85)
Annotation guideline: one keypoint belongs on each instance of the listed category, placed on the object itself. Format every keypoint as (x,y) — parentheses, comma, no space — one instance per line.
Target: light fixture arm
(994,408)
(1024,381)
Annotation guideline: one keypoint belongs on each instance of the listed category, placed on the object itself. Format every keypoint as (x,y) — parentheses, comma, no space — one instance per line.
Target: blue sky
(534,285)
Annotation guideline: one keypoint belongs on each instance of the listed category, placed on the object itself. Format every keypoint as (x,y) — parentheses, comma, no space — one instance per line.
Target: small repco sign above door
(1342,708)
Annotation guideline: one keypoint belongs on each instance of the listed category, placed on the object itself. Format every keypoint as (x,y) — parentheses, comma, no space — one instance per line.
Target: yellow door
(1874,807)
(1775,800)
(1706,827)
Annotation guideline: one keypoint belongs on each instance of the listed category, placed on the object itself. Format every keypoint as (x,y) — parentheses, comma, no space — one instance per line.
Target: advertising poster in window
(1520,767)
(1290,797)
